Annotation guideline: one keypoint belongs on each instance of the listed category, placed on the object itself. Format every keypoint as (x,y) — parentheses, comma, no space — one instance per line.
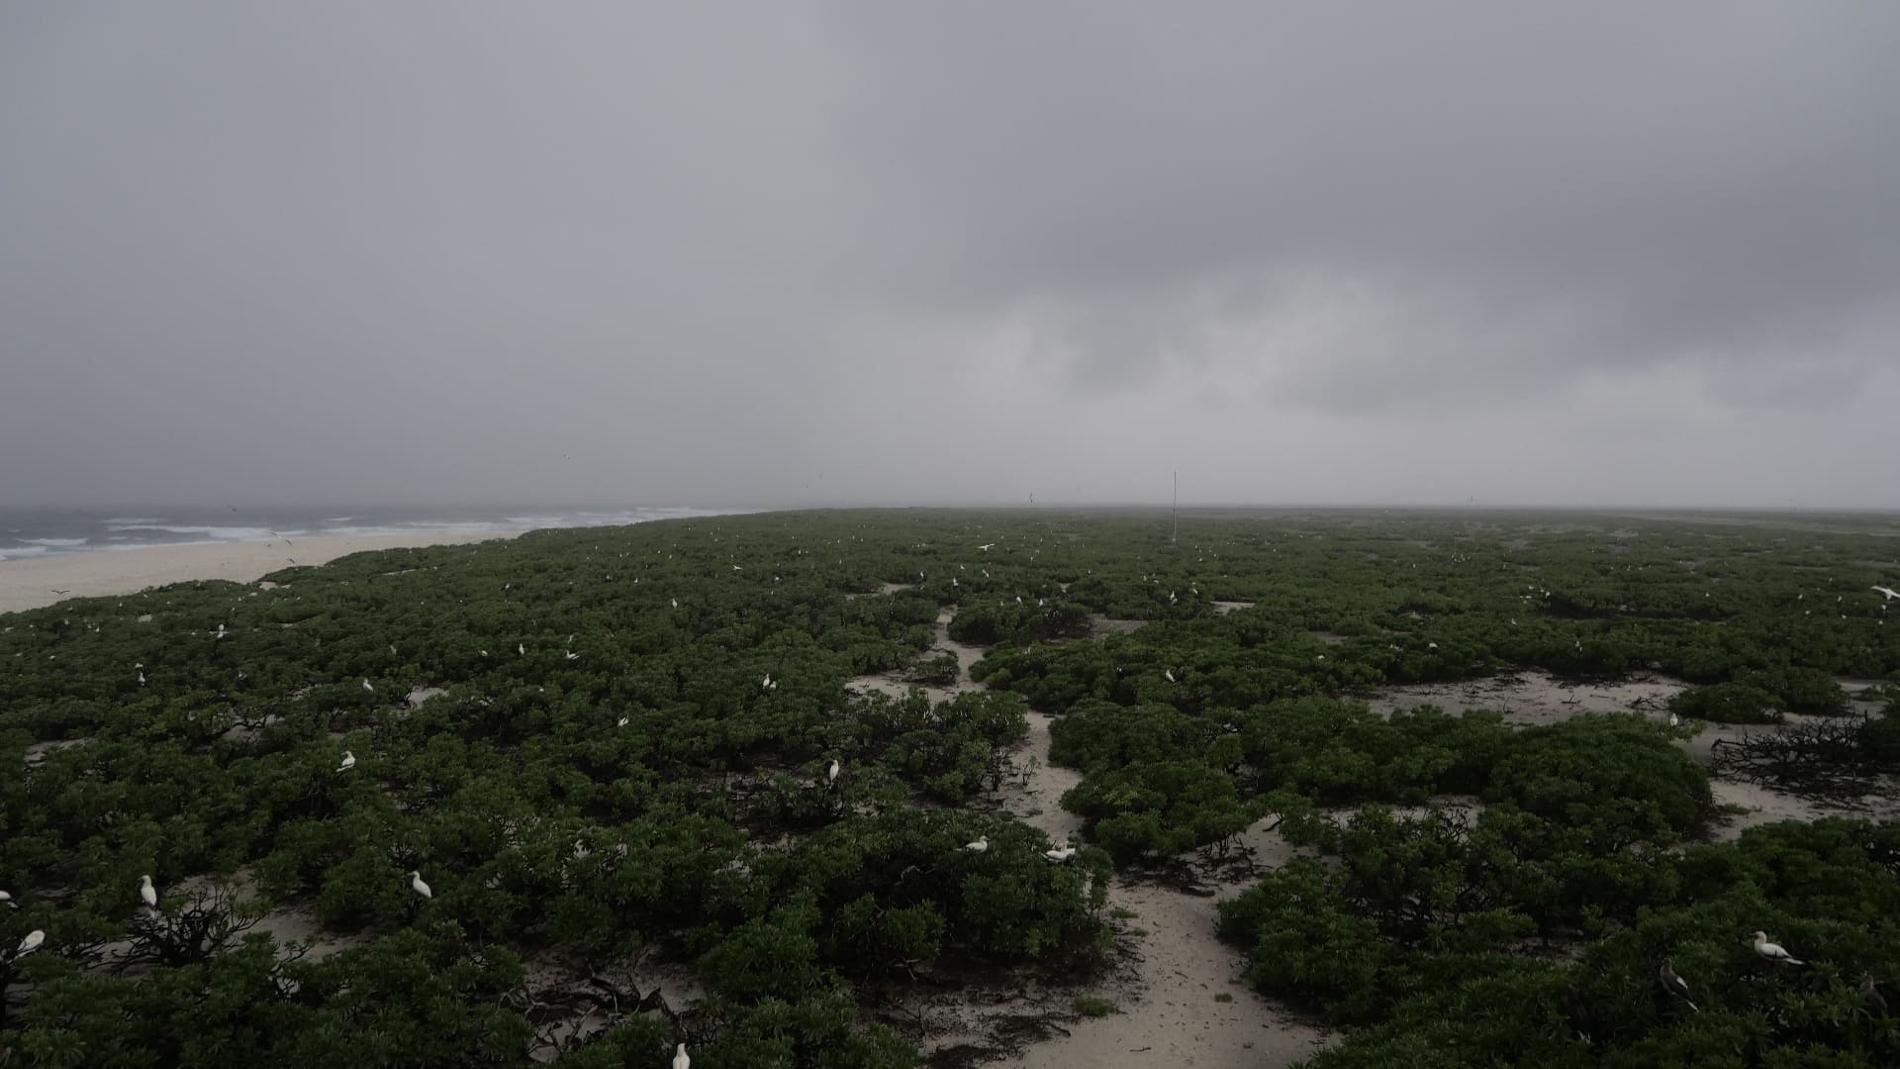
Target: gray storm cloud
(879,253)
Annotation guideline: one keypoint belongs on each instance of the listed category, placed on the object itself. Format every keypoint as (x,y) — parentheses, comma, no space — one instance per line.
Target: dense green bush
(1726,703)
(608,775)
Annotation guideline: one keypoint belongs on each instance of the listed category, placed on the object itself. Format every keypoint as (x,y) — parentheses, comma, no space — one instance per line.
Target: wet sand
(38,581)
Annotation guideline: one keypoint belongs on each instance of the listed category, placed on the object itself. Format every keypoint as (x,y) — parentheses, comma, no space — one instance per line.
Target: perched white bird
(29,944)
(1675,984)
(572,656)
(1774,951)
(831,774)
(1169,672)
(981,844)
(581,852)
(1061,853)
(141,679)
(521,649)
(1889,591)
(147,893)
(676,604)
(8,899)
(367,687)
(766,683)
(1431,645)
(681,1060)
(419,887)
(1675,721)
(348,762)
(622,722)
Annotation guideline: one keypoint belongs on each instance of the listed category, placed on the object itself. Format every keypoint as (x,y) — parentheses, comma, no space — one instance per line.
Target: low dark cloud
(874,252)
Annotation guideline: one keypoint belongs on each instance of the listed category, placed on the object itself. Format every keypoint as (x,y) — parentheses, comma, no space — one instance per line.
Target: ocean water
(43,532)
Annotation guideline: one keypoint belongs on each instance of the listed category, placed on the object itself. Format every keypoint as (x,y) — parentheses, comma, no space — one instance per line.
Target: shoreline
(35,582)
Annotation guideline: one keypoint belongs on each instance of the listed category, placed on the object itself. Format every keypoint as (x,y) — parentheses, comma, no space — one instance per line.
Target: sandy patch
(1533,697)
(1174,964)
(1103,625)
(29,583)
(1222,608)
(37,752)
(883,590)
(966,655)
(898,687)
(1765,805)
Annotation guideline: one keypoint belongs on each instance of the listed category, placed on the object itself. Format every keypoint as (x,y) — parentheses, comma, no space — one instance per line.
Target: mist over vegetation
(607,754)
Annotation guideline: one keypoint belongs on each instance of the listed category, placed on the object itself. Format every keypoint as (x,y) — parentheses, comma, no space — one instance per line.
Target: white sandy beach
(37,581)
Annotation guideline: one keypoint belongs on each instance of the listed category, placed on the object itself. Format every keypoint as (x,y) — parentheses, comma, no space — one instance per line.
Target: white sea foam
(56,543)
(215,533)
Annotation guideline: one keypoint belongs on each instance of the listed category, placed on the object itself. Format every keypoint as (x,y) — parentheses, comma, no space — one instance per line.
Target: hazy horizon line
(143,507)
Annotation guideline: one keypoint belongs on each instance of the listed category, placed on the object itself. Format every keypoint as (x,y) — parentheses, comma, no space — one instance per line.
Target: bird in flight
(62,592)
(1887,590)
(987,546)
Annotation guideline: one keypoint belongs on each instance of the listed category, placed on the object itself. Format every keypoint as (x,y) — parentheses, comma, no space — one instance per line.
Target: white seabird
(982,844)
(418,886)
(348,762)
(1774,951)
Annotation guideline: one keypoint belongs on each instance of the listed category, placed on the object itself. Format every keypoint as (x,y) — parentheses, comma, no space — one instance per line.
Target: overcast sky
(811,253)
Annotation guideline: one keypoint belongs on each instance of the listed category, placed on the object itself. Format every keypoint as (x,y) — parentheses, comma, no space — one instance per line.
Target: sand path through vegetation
(1169,1012)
